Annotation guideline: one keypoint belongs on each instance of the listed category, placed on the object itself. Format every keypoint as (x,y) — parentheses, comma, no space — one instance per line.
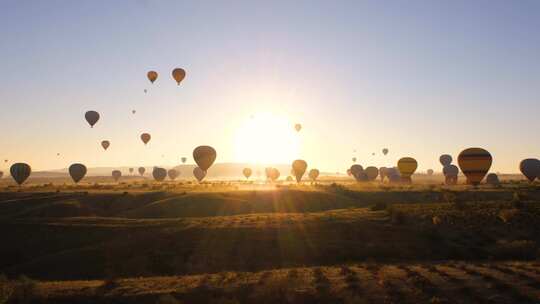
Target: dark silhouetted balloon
(313,174)
(430,172)
(145,137)
(475,164)
(393,175)
(178,74)
(445,159)
(141,170)
(173,174)
(298,127)
(371,173)
(385,151)
(133,111)
(493,179)
(105,144)
(247,172)
(159,174)
(450,174)
(299,166)
(357,171)
(77,172)
(204,156)
(530,167)
(199,173)
(20,172)
(354,159)
(152,76)
(382,173)
(183,159)
(116,174)
(92,117)
(407,166)
(349,173)
(131,170)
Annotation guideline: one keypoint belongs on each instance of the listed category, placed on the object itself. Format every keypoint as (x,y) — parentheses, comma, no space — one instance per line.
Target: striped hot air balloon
(475,164)
(407,166)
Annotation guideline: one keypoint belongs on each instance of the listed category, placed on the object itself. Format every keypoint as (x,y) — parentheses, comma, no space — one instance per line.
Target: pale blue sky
(419,77)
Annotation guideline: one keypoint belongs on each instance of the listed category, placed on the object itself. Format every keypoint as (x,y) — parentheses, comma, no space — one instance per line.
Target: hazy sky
(419,77)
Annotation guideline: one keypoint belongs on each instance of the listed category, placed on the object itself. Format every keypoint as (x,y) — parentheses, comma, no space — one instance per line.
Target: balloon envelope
(247,172)
(273,174)
(354,159)
(199,173)
(385,151)
(204,156)
(159,174)
(92,117)
(116,174)
(298,127)
(299,166)
(145,137)
(475,164)
(183,159)
(178,74)
(430,172)
(141,170)
(371,173)
(105,144)
(77,172)
(20,172)
(173,174)
(152,76)
(530,167)
(492,179)
(357,171)
(313,174)
(445,159)
(450,170)
(407,166)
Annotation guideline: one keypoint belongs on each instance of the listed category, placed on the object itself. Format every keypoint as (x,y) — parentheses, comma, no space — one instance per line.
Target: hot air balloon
(159,174)
(393,175)
(430,172)
(382,173)
(145,91)
(105,144)
(183,159)
(6,160)
(141,170)
(373,154)
(204,156)
(1,174)
(116,174)
(371,173)
(91,117)
(445,159)
(57,154)
(77,172)
(299,166)
(289,178)
(385,151)
(349,173)
(133,111)
(247,172)
(178,74)
(407,166)
(199,173)
(152,76)
(173,174)
(273,174)
(492,179)
(298,127)
(20,172)
(131,170)
(530,167)
(354,159)
(475,164)
(451,174)
(313,174)
(145,137)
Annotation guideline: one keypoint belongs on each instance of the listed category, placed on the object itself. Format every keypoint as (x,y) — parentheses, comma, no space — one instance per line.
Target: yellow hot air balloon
(475,164)
(159,174)
(298,127)
(20,172)
(247,172)
(116,174)
(105,144)
(91,117)
(199,173)
(406,167)
(204,156)
(152,76)
(173,174)
(141,170)
(77,172)
(313,174)
(178,74)
(299,166)
(145,137)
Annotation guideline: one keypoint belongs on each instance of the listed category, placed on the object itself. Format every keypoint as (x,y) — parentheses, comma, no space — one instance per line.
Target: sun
(266,138)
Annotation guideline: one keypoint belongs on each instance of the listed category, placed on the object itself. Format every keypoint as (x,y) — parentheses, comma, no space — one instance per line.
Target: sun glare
(265,138)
